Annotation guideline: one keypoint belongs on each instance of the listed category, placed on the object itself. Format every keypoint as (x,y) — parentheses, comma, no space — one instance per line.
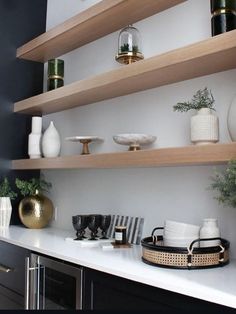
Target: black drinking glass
(93,224)
(105,224)
(80,223)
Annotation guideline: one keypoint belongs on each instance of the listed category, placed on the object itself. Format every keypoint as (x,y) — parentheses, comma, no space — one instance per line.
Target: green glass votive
(55,74)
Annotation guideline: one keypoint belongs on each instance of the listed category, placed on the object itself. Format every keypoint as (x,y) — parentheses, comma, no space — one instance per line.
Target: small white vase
(209,229)
(34,140)
(5,212)
(231,120)
(51,143)
(204,127)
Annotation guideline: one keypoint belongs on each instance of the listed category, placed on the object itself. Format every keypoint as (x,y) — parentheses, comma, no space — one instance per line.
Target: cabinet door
(13,257)
(10,300)
(106,292)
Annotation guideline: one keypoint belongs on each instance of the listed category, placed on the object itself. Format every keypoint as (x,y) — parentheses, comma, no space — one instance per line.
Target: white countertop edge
(191,288)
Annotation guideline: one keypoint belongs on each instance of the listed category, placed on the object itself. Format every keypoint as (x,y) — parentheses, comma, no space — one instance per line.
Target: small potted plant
(225,184)
(6,195)
(204,125)
(35,209)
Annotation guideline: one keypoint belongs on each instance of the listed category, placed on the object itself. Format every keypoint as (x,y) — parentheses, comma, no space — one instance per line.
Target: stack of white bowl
(179,234)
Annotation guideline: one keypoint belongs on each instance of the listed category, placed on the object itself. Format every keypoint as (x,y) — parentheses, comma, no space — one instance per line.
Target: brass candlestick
(85,150)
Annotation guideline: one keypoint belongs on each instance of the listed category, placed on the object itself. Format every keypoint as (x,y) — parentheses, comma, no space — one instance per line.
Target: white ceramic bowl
(184,234)
(180,242)
(180,229)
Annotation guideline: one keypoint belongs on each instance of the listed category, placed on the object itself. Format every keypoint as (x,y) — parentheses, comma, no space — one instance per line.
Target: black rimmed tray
(155,253)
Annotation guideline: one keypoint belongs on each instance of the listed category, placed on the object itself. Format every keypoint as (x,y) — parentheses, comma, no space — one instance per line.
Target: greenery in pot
(30,187)
(202,99)
(225,184)
(127,48)
(6,190)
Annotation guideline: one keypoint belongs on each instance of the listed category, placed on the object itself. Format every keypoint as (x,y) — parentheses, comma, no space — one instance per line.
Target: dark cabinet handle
(5,269)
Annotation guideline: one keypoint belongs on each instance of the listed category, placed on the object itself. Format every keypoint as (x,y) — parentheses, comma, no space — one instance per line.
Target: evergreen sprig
(30,187)
(202,99)
(225,184)
(6,190)
(127,48)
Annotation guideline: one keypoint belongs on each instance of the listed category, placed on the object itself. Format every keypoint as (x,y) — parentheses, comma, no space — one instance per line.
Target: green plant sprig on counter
(225,184)
(125,48)
(202,99)
(30,187)
(6,190)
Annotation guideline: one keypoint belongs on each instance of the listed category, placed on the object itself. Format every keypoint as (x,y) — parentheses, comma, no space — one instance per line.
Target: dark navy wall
(20,21)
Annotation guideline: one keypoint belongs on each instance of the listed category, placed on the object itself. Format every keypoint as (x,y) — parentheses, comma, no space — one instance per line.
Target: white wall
(156,193)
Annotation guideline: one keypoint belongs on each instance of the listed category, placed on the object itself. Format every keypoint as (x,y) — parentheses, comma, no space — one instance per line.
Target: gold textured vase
(36,211)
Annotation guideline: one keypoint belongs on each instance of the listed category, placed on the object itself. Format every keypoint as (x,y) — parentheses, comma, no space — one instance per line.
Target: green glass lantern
(55,74)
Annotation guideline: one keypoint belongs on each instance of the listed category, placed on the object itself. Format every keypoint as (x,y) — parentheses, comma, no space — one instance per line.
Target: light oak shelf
(206,57)
(177,156)
(99,20)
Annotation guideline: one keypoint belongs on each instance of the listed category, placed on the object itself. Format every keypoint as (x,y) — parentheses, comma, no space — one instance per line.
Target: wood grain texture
(176,156)
(206,57)
(99,20)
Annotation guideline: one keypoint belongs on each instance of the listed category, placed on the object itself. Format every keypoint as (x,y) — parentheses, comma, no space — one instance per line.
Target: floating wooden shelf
(206,57)
(177,156)
(99,20)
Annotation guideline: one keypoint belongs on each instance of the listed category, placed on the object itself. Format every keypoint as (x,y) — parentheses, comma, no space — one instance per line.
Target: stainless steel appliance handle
(6,269)
(28,291)
(27,283)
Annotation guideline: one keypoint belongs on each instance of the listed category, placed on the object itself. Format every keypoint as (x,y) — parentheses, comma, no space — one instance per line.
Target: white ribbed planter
(5,212)
(232,120)
(204,127)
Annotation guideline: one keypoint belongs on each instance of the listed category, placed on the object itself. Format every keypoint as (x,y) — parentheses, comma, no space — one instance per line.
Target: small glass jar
(55,74)
(120,235)
(223,16)
(129,46)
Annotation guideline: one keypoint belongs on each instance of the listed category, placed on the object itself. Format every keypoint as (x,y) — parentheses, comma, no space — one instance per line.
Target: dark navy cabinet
(12,276)
(107,292)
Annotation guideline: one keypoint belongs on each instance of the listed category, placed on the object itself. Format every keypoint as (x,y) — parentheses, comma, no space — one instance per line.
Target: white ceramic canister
(5,212)
(204,127)
(34,140)
(51,142)
(231,120)
(209,229)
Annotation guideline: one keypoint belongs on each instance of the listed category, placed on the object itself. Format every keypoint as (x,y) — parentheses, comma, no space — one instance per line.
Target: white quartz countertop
(216,285)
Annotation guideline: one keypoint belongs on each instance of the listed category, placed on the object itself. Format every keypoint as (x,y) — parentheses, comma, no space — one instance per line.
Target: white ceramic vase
(34,140)
(5,212)
(51,143)
(232,120)
(209,229)
(204,127)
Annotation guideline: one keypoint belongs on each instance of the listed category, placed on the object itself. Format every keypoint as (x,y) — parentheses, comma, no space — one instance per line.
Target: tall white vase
(34,141)
(51,143)
(232,120)
(209,229)
(204,127)
(5,212)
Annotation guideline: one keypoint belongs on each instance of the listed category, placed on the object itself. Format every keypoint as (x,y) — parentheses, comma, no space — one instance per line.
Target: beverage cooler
(51,284)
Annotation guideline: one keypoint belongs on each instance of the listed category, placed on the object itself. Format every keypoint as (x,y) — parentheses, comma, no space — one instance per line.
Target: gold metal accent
(52,77)
(134,147)
(223,11)
(129,57)
(85,143)
(35,211)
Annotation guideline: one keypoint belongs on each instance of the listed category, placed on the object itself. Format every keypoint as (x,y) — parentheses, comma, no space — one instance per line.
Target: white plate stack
(179,234)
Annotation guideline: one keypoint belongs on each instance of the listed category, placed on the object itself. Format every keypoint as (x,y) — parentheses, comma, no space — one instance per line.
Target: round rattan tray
(155,253)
